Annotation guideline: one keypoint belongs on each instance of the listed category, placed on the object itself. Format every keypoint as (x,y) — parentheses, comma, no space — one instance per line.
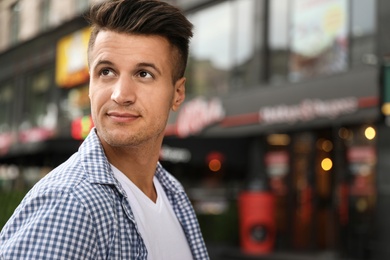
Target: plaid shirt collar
(92,157)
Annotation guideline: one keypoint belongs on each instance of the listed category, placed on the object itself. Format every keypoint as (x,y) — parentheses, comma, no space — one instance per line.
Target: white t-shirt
(159,227)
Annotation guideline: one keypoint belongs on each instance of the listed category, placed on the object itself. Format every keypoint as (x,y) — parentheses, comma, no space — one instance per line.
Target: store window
(210,55)
(224,55)
(300,168)
(318,38)
(277,165)
(361,157)
(324,183)
(309,39)
(39,110)
(278,40)
(247,44)
(6,102)
(363,32)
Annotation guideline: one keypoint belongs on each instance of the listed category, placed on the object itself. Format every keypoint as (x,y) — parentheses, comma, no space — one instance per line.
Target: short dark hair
(144,17)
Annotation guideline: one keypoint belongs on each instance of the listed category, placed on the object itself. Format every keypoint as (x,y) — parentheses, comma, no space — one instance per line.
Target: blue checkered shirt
(80,211)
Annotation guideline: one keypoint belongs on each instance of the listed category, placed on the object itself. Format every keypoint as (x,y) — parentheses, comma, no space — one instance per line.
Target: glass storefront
(324,187)
(213,172)
(318,38)
(40,110)
(363,31)
(278,41)
(323,180)
(309,39)
(230,47)
(6,104)
(225,51)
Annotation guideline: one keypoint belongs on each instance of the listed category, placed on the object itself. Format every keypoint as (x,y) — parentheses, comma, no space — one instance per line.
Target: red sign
(198,114)
(361,154)
(81,127)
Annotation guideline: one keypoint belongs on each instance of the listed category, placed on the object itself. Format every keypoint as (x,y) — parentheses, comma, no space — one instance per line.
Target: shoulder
(64,177)
(67,185)
(72,181)
(73,186)
(58,219)
(81,174)
(71,208)
(67,212)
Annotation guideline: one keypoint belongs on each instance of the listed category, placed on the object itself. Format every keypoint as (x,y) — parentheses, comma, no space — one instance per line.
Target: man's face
(131,88)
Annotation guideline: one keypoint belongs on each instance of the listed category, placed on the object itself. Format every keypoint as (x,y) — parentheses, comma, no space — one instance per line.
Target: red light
(214,161)
(215,165)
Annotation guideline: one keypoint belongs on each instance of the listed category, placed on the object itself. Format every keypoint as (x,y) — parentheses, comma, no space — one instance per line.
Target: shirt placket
(139,250)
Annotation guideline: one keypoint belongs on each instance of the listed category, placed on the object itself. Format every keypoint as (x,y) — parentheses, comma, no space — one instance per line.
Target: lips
(123,116)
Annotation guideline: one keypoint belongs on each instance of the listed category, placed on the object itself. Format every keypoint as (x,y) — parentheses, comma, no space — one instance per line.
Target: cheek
(161,105)
(97,102)
(99,95)
(92,99)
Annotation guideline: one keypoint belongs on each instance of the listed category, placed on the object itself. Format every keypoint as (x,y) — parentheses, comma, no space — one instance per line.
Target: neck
(138,164)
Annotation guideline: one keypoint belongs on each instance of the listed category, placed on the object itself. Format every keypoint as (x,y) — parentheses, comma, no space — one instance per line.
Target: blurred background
(283,142)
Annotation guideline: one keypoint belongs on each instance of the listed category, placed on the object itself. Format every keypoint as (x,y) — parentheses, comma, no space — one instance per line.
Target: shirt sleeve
(52,225)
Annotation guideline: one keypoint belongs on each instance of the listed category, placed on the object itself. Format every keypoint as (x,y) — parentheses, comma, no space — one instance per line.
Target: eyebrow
(147,64)
(103,62)
(139,65)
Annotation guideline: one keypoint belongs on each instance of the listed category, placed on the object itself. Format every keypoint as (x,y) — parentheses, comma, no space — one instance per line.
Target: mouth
(123,117)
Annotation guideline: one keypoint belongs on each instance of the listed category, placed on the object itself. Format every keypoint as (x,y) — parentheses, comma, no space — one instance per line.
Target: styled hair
(144,17)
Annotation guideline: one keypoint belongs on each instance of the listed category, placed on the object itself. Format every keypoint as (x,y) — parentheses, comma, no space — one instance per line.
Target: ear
(179,95)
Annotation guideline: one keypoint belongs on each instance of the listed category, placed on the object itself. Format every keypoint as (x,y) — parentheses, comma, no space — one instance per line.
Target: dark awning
(347,98)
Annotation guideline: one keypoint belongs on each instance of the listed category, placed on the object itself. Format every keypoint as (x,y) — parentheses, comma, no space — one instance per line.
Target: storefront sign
(308,109)
(198,114)
(72,65)
(81,127)
(361,154)
(175,155)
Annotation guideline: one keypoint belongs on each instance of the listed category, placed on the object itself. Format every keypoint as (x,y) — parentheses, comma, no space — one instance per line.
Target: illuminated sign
(198,114)
(81,127)
(309,109)
(175,155)
(72,63)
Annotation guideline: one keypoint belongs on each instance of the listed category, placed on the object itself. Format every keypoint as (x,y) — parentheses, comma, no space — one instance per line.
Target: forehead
(125,46)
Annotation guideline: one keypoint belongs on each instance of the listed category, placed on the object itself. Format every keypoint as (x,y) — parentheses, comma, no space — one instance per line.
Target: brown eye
(144,74)
(105,72)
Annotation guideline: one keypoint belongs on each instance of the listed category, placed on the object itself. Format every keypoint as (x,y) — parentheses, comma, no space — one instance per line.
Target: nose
(123,92)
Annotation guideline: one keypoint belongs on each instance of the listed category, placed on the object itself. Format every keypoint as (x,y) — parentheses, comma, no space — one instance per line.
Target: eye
(106,72)
(145,74)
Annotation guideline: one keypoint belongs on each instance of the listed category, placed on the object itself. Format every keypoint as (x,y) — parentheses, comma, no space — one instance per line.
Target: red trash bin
(257,222)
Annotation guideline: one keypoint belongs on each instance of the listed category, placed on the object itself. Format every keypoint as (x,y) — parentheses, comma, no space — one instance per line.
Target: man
(112,199)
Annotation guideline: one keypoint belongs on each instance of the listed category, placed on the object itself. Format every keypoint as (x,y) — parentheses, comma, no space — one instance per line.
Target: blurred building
(288,98)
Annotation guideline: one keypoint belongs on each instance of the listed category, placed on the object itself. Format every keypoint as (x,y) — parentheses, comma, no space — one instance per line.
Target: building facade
(286,101)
